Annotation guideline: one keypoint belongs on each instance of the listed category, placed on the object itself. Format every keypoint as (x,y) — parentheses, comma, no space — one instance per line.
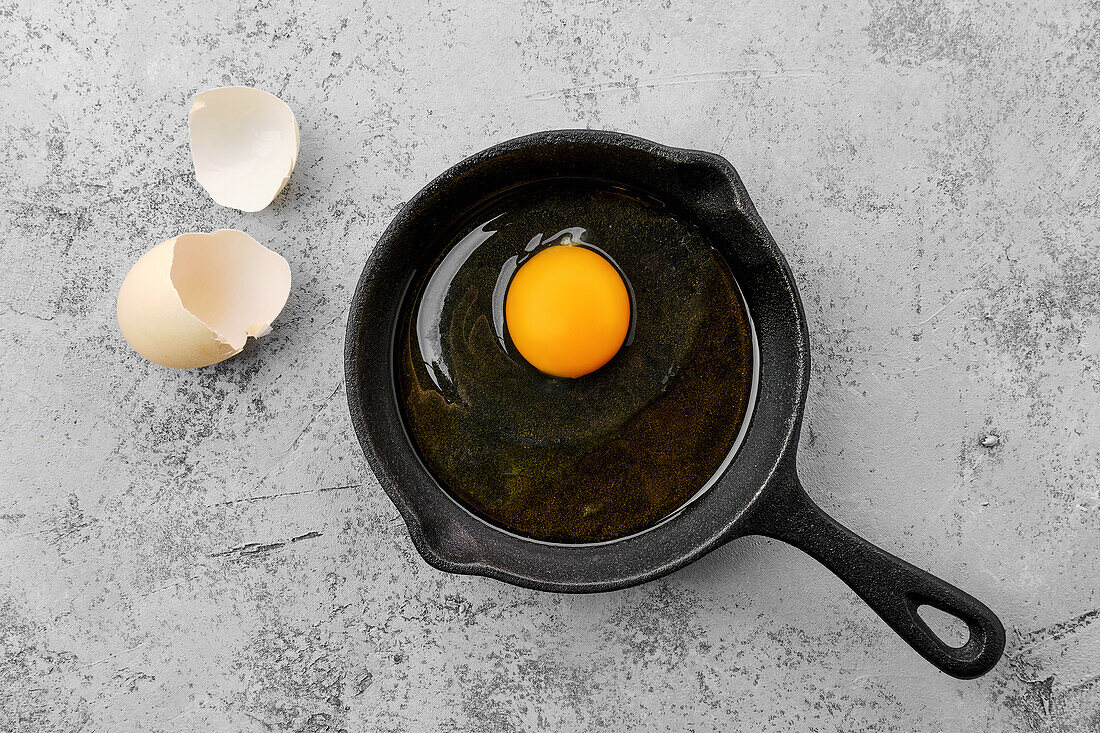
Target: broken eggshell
(194,300)
(244,144)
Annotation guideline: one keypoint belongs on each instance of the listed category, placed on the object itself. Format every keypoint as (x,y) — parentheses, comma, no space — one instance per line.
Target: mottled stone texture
(207,551)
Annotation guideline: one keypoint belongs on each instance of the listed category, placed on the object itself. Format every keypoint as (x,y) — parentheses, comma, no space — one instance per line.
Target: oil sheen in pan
(609,454)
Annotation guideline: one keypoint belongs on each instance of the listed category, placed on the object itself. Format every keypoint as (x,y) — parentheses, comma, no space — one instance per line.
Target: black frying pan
(759,493)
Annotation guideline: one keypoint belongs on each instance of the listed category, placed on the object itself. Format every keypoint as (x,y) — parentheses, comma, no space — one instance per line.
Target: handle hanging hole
(950,629)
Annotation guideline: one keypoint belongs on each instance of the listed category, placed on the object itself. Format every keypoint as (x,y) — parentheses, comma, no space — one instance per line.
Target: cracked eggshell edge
(227,141)
(156,323)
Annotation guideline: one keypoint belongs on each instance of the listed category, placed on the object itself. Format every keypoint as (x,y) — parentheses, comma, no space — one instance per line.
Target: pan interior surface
(603,456)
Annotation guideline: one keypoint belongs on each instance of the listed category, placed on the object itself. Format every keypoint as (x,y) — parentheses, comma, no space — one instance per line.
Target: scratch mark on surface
(1059,630)
(63,530)
(15,311)
(113,656)
(250,548)
(316,413)
(258,548)
(165,587)
(941,309)
(249,499)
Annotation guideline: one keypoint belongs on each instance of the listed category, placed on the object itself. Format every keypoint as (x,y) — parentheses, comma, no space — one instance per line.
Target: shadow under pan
(603,456)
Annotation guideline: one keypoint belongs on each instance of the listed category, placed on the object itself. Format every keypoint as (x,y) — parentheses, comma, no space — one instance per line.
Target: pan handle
(892,587)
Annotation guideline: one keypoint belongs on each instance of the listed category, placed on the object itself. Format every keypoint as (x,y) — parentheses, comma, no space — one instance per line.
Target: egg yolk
(567,311)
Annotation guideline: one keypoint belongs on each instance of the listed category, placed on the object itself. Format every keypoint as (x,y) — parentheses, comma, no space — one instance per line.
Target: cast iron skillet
(758,494)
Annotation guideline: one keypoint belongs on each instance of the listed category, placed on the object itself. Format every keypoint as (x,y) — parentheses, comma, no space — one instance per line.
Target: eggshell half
(194,300)
(244,143)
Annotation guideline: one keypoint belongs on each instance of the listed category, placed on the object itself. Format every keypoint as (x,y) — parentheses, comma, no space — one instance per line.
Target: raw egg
(567,310)
(573,460)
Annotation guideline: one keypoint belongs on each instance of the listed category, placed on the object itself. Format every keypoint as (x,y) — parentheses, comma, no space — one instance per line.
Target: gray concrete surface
(207,551)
